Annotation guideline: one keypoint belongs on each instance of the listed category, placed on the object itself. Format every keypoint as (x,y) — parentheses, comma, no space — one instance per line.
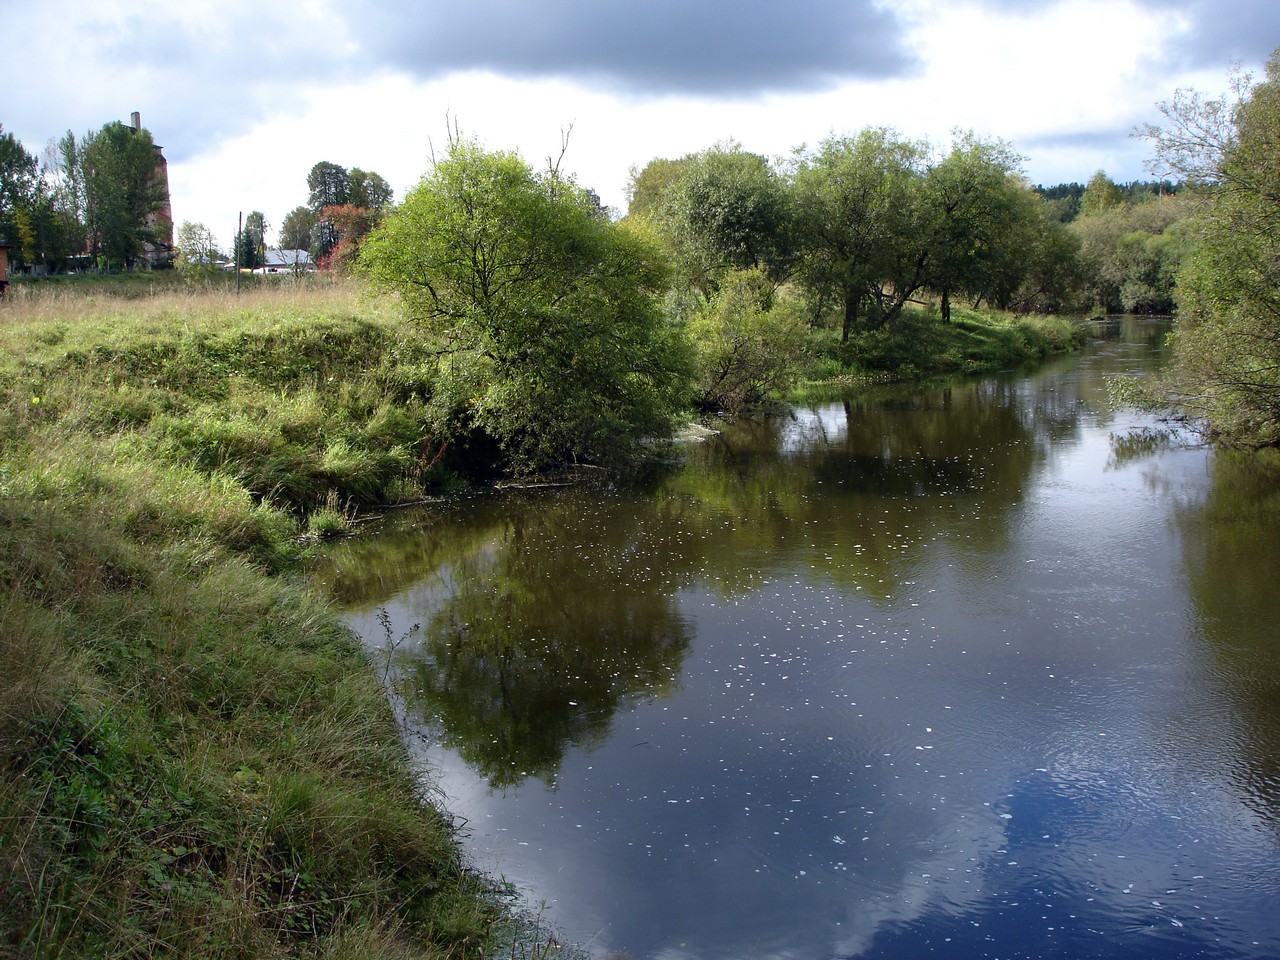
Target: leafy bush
(748,343)
(544,313)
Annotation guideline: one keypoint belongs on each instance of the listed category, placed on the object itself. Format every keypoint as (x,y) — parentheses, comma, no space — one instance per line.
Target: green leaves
(122,191)
(882,218)
(19,188)
(545,314)
(859,199)
(727,210)
(1227,350)
(749,342)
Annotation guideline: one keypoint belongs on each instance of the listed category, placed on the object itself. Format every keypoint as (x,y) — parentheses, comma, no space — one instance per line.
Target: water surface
(987,670)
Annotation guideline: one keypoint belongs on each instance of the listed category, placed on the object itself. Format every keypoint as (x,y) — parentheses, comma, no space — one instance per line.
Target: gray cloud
(200,74)
(660,47)
(1101,139)
(1223,32)
(195,77)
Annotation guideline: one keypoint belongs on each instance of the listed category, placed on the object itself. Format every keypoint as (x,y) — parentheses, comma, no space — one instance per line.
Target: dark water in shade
(988,671)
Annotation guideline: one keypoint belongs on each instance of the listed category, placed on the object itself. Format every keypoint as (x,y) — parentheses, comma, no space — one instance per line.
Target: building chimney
(136,119)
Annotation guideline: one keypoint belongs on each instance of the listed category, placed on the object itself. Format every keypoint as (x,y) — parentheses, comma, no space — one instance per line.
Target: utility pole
(239,230)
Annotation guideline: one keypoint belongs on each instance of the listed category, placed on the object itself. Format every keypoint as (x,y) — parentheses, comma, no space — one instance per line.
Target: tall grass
(919,345)
(196,759)
(289,395)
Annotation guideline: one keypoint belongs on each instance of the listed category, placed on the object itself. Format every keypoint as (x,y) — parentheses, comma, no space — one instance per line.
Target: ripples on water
(950,673)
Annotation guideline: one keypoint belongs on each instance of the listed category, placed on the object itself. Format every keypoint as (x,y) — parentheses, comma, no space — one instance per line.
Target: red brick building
(160,253)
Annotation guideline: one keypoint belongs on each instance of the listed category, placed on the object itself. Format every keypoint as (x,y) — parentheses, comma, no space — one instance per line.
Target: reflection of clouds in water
(811,427)
(1090,843)
(774,768)
(948,883)
(809,713)
(976,834)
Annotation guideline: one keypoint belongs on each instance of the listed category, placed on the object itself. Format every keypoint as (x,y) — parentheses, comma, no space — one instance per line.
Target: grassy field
(196,759)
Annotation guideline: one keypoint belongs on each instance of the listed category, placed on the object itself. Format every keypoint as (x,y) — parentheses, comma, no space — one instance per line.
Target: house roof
(277,257)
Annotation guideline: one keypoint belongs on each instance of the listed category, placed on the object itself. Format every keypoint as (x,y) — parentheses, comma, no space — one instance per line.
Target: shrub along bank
(196,758)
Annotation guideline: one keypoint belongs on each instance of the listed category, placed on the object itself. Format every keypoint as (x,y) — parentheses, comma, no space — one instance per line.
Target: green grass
(920,346)
(196,758)
(286,397)
(198,761)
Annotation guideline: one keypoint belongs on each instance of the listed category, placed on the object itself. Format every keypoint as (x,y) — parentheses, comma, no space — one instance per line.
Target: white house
(277,260)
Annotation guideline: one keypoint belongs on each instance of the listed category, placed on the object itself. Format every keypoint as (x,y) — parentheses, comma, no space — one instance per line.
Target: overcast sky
(245,98)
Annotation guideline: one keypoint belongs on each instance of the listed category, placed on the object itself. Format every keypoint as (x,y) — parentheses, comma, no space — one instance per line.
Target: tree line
(563,333)
(864,222)
(726,260)
(851,233)
(96,199)
(565,336)
(99,200)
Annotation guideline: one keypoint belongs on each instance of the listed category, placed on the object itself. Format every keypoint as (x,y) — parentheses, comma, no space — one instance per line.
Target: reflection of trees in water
(858,486)
(554,621)
(1231,555)
(407,550)
(543,615)
(411,543)
(1139,444)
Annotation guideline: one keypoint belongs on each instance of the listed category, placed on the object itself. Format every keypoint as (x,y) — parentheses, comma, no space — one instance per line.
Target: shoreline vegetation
(196,758)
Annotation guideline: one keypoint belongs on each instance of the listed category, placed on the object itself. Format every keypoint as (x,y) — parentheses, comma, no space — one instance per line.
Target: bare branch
(554,168)
(1197,134)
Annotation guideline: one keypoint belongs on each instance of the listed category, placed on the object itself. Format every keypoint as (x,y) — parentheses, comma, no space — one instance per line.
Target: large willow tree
(545,314)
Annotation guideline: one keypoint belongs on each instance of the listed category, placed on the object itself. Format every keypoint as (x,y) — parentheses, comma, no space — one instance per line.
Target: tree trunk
(946,306)
(850,315)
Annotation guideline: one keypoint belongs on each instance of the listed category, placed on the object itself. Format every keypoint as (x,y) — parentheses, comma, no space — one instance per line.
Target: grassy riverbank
(919,346)
(196,759)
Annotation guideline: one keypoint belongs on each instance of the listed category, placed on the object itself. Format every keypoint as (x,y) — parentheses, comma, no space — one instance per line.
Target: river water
(979,671)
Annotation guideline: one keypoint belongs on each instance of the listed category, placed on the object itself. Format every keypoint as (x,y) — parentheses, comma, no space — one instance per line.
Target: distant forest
(1065,197)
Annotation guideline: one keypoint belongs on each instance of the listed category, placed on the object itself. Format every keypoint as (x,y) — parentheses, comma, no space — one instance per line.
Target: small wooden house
(4,267)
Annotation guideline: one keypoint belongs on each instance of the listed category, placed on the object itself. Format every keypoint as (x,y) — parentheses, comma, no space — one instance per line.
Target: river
(988,670)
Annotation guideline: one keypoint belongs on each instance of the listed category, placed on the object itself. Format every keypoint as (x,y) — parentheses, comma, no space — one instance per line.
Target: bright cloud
(246,98)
